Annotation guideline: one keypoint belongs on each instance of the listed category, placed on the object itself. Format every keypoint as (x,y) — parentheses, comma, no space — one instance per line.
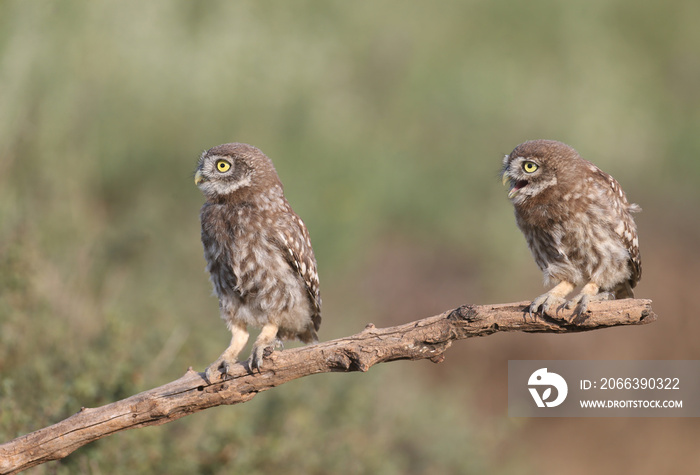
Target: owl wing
(294,242)
(629,237)
(626,228)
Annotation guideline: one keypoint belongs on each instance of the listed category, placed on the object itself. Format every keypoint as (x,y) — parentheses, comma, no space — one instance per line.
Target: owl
(577,223)
(258,254)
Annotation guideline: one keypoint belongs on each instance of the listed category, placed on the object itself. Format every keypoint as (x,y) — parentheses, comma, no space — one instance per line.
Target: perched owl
(258,254)
(577,222)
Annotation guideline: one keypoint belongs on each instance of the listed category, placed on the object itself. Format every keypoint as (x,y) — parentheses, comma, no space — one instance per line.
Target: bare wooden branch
(422,339)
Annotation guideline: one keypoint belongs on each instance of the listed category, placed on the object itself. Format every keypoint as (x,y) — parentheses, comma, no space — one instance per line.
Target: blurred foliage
(383,118)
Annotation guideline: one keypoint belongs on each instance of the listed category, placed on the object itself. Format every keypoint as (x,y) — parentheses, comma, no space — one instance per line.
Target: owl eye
(223,166)
(530,167)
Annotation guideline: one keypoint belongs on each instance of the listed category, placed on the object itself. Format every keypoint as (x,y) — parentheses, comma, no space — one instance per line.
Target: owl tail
(308,335)
(623,290)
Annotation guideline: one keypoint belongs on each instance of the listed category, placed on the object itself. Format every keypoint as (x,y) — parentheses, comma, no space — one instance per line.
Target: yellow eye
(223,166)
(530,167)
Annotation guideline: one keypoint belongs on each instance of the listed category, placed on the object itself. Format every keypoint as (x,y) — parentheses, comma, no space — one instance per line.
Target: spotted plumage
(258,253)
(577,223)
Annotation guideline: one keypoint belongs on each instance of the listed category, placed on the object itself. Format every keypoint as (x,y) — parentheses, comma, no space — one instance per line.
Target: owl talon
(580,305)
(547,304)
(536,304)
(220,366)
(255,361)
(580,302)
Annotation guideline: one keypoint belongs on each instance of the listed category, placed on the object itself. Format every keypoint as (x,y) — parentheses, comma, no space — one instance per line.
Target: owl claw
(259,352)
(255,361)
(580,305)
(581,301)
(256,358)
(264,346)
(221,366)
(547,304)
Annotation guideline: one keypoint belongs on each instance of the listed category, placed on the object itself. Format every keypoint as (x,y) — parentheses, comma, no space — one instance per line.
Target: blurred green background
(387,122)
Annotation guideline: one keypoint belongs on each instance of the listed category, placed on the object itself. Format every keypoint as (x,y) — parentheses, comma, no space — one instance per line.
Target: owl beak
(515,187)
(505,179)
(199,178)
(508,182)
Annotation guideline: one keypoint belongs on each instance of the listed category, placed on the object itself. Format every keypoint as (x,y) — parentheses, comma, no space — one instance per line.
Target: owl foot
(260,351)
(547,304)
(267,339)
(222,366)
(256,357)
(224,363)
(553,301)
(580,302)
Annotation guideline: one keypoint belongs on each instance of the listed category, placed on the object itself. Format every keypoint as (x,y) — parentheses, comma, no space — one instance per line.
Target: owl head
(234,167)
(535,167)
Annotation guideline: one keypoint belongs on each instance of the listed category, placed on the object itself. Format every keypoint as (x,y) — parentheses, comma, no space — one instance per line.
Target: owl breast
(250,277)
(576,239)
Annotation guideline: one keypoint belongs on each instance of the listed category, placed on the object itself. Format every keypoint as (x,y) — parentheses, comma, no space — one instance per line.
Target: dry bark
(423,339)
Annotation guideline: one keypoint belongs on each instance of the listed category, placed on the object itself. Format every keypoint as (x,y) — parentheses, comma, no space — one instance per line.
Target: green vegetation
(386,120)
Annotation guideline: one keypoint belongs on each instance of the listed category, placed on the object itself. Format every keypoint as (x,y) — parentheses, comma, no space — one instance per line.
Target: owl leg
(553,300)
(266,339)
(239,337)
(588,293)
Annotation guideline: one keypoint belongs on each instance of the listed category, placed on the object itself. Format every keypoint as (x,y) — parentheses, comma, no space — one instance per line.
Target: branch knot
(466,313)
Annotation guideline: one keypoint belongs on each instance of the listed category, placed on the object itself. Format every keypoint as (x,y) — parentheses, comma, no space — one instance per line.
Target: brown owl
(577,222)
(258,254)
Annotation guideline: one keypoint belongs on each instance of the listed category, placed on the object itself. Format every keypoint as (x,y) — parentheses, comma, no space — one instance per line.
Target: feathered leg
(239,337)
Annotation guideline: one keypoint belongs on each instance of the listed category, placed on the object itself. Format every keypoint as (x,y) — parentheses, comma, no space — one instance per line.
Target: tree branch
(422,339)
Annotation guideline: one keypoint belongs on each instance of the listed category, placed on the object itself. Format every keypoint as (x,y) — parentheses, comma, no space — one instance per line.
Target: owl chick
(577,223)
(258,254)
